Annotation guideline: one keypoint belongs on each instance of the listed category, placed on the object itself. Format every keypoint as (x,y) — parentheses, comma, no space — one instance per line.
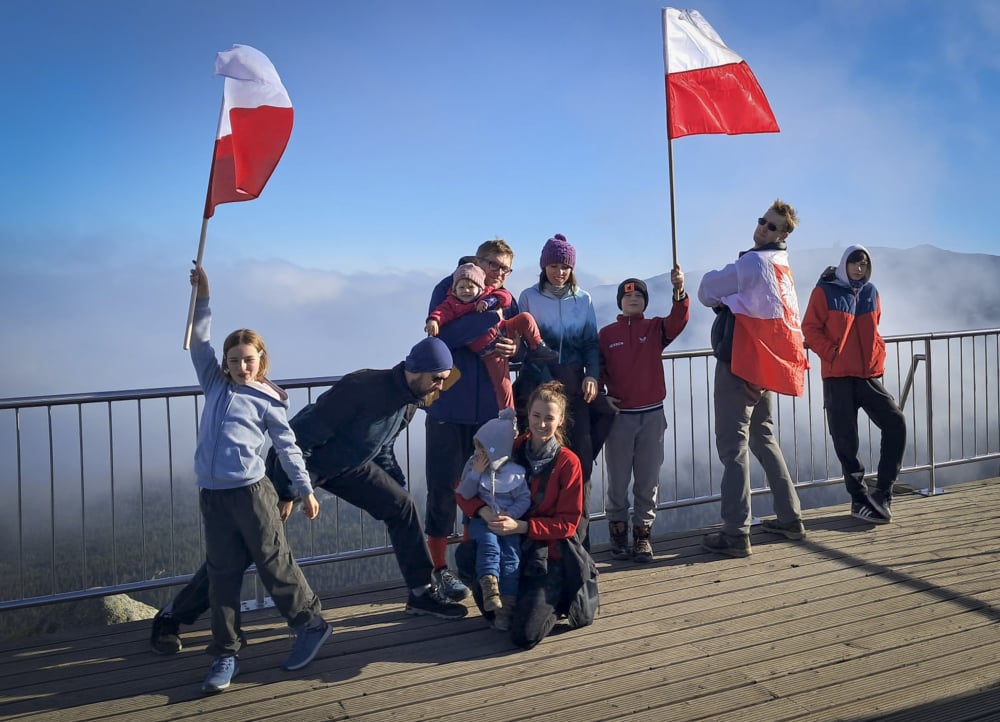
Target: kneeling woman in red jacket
(554,565)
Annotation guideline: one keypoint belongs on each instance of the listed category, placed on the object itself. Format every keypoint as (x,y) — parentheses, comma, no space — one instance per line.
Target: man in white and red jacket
(759,352)
(632,374)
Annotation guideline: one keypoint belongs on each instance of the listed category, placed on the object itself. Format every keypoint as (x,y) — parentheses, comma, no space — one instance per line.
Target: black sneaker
(165,637)
(431,603)
(794,530)
(720,543)
(882,502)
(866,512)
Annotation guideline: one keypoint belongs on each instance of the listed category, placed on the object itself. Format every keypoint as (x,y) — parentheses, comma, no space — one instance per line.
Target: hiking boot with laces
(642,550)
(620,548)
(491,593)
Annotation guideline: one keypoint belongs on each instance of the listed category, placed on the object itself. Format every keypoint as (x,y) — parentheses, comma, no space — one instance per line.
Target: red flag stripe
(719,99)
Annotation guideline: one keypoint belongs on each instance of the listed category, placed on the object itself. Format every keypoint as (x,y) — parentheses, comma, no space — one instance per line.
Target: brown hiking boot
(491,593)
(620,548)
(642,550)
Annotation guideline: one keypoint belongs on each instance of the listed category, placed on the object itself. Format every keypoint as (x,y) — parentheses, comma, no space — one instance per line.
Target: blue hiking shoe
(221,674)
(448,585)
(308,640)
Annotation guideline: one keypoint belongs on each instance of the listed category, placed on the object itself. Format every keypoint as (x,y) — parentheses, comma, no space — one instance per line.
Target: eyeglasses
(770,226)
(439,379)
(496,267)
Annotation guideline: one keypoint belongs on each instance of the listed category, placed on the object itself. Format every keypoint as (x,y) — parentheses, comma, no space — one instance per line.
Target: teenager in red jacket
(841,327)
(632,374)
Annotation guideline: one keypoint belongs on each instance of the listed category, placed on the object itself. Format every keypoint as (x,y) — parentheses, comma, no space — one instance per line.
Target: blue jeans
(496,555)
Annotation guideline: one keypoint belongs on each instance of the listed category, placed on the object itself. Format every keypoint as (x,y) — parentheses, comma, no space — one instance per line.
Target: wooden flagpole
(204,230)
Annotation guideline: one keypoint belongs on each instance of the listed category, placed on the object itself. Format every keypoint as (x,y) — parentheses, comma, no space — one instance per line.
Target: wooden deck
(855,623)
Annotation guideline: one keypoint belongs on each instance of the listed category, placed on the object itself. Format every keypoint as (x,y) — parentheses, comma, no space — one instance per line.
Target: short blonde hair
(786,211)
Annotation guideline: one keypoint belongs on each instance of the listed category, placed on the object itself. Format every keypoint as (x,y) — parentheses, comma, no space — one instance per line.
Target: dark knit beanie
(471,271)
(430,355)
(558,250)
(633,284)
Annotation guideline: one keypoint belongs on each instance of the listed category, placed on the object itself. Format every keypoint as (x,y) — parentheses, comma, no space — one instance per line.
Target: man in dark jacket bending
(347,438)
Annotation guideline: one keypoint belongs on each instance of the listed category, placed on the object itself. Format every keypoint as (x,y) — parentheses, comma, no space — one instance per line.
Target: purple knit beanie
(471,271)
(558,250)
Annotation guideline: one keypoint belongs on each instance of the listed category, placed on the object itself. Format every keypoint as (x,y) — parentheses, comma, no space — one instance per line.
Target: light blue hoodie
(237,420)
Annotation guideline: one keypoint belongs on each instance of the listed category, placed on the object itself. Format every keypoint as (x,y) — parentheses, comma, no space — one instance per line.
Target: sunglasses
(496,267)
(770,226)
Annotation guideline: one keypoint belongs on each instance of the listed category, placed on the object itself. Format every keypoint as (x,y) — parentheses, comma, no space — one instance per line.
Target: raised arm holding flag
(254,127)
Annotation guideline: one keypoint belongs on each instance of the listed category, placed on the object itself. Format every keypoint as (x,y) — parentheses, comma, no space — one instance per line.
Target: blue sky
(424,128)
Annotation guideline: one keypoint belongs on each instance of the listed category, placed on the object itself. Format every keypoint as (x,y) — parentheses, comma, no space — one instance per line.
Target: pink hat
(471,271)
(558,250)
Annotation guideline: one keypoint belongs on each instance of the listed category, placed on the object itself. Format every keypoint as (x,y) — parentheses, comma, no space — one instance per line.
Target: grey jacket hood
(497,437)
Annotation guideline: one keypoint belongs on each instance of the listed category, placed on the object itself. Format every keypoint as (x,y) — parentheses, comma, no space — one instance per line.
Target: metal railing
(100,494)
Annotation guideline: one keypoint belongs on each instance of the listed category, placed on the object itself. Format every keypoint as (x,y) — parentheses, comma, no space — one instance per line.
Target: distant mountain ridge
(923,289)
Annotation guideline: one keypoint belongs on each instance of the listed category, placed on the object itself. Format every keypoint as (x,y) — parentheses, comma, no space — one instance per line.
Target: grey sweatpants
(744,422)
(634,448)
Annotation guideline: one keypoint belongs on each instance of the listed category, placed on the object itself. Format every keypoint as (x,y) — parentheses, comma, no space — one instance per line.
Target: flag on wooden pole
(254,127)
(710,89)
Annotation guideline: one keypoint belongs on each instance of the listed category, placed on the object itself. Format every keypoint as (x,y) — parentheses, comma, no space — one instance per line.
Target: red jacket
(561,508)
(453,307)
(841,327)
(631,349)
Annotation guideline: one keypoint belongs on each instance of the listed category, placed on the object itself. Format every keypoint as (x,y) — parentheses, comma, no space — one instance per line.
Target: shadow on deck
(857,622)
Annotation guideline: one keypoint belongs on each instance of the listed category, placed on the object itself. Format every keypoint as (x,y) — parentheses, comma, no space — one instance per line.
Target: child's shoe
(491,593)
(542,354)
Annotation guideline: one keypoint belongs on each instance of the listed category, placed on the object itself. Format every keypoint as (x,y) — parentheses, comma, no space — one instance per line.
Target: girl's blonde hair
(551,392)
(248,336)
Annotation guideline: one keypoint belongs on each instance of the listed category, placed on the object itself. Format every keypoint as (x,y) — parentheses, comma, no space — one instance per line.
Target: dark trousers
(537,608)
(448,447)
(367,487)
(242,526)
(842,397)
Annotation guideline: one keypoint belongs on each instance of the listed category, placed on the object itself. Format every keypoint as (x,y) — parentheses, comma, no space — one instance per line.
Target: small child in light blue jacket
(503,486)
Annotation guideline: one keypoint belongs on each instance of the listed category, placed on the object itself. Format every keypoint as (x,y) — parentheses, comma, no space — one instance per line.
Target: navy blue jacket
(472,400)
(355,422)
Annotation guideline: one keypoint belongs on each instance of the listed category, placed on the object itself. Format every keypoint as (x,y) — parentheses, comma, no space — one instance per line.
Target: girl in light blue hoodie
(238,503)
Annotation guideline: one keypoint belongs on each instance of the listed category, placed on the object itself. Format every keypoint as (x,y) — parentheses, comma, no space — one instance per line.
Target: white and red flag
(710,89)
(254,127)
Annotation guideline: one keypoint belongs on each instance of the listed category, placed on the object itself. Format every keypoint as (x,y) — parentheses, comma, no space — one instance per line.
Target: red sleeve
(562,506)
(450,309)
(677,320)
(814,326)
(469,507)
